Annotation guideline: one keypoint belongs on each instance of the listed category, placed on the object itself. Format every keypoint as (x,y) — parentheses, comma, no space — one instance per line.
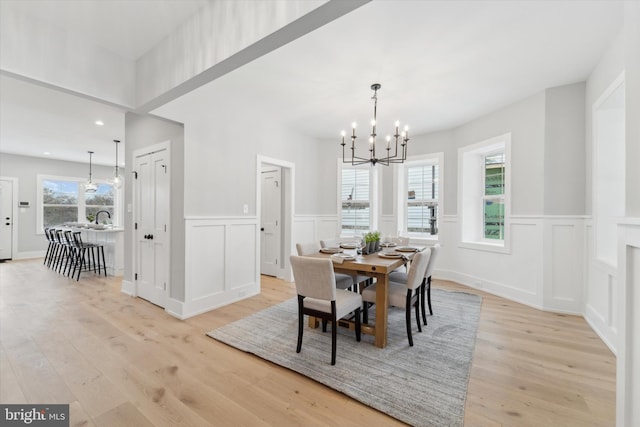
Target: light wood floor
(122,361)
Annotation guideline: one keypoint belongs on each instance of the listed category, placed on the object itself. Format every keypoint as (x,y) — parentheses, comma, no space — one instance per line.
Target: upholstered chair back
(435,250)
(307,248)
(314,277)
(418,268)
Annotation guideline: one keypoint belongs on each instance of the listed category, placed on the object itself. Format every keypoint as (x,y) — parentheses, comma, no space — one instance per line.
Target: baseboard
(128,288)
(494,288)
(30,255)
(599,326)
(185,310)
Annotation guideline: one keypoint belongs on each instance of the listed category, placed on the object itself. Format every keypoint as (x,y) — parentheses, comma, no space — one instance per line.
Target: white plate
(388,245)
(330,250)
(348,245)
(406,249)
(345,257)
(389,255)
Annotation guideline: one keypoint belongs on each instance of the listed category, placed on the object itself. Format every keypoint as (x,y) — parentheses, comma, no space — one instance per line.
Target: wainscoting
(221,263)
(542,268)
(313,228)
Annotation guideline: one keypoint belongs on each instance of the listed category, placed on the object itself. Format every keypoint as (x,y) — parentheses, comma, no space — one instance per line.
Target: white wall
(564,150)
(42,51)
(216,33)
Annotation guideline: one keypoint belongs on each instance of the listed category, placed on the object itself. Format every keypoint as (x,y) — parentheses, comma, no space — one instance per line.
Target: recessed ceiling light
(46,153)
(99,122)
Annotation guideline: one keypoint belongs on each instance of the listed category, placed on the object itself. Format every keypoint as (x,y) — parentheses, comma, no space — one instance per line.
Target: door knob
(261,228)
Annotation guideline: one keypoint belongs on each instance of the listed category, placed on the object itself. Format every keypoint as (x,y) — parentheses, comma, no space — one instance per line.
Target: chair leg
(428,297)
(417,306)
(300,323)
(334,332)
(408,317)
(365,312)
(324,325)
(422,299)
(358,325)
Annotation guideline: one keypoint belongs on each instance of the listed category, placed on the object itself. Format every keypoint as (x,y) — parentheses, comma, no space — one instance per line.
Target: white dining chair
(318,297)
(343,281)
(403,295)
(358,279)
(401,277)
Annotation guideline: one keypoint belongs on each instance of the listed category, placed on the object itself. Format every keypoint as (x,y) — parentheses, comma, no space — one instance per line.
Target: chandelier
(90,186)
(399,154)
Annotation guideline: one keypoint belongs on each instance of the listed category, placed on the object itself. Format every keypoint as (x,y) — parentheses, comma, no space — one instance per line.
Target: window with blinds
(493,197)
(422,199)
(355,200)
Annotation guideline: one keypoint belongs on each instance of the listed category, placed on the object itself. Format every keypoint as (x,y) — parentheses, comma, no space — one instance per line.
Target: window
(59,202)
(484,187)
(102,199)
(419,193)
(63,200)
(493,198)
(355,190)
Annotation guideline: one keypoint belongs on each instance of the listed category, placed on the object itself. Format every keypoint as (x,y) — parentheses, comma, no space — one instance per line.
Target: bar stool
(90,256)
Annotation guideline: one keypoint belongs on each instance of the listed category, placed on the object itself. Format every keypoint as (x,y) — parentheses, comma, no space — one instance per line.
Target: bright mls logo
(35,415)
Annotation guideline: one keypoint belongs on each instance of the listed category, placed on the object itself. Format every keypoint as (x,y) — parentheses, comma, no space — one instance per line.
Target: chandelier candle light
(402,138)
(90,187)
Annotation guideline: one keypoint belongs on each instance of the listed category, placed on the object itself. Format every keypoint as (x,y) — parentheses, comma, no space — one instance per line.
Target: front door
(6,216)
(151,226)
(271,222)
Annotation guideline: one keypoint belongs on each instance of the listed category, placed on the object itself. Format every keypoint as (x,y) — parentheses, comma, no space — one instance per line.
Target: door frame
(14,215)
(165,145)
(288,191)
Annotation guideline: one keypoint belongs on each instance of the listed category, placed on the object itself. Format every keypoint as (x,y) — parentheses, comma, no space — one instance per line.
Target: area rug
(423,385)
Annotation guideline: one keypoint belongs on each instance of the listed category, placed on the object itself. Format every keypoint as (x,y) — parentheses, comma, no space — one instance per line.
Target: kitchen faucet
(98,214)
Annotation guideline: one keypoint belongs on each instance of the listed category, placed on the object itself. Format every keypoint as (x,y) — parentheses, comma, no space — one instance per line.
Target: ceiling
(35,119)
(440,63)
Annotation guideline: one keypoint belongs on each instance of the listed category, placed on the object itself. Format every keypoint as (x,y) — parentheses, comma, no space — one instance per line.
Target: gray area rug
(423,385)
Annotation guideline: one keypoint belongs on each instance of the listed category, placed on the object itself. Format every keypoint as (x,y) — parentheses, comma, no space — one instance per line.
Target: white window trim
(81,200)
(467,197)
(374,194)
(402,191)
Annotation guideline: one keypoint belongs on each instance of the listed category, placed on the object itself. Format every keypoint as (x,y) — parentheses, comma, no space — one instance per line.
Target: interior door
(6,216)
(271,221)
(151,226)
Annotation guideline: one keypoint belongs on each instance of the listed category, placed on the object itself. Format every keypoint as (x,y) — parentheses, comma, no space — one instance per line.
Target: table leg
(382,307)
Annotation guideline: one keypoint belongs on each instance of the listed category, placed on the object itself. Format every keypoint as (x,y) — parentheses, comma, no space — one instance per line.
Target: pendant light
(116,181)
(90,187)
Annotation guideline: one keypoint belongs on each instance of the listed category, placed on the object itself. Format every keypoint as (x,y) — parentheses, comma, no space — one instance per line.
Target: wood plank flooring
(119,361)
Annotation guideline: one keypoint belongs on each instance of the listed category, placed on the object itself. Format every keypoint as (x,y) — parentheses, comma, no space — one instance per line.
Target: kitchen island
(112,238)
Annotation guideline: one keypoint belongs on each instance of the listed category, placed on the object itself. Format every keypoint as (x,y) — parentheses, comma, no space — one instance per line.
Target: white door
(6,215)
(271,221)
(151,226)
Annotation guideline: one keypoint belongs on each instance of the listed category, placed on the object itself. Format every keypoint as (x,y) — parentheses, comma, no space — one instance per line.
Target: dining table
(375,266)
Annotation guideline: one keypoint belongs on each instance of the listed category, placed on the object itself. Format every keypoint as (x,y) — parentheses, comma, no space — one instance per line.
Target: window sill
(502,248)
